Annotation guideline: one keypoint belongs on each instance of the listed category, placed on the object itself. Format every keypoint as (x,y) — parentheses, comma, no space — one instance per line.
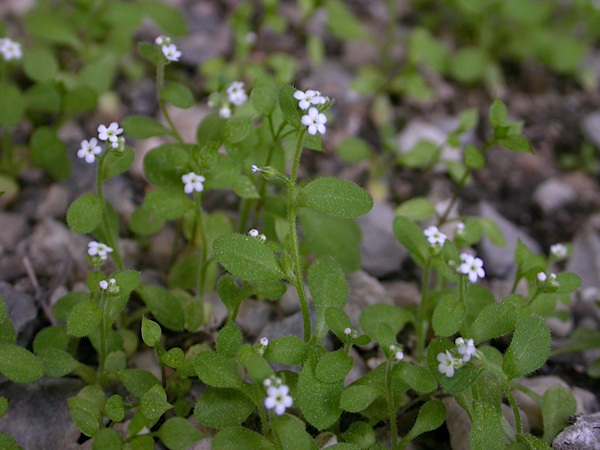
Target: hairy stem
(160,79)
(105,225)
(422,319)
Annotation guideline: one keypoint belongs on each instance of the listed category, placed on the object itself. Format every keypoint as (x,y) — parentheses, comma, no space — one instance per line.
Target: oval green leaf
(337,197)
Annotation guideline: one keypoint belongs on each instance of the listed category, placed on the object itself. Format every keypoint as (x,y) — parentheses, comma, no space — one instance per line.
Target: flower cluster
(278,398)
(449,361)
(471,266)
(314,120)
(99,250)
(548,281)
(397,352)
(110,286)
(168,49)
(234,96)
(193,182)
(255,234)
(90,149)
(10,49)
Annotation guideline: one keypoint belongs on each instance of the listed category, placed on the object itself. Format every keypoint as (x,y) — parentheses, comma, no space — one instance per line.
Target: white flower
(253,232)
(10,49)
(315,121)
(399,355)
(236,93)
(99,249)
(447,363)
(89,150)
(109,285)
(110,133)
(434,236)
(193,182)
(471,266)
(278,399)
(225,112)
(255,168)
(162,40)
(308,98)
(559,251)
(460,229)
(541,277)
(465,348)
(171,53)
(347,331)
(264,341)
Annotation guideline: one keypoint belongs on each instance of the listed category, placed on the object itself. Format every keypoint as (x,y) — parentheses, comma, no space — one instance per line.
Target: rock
(54,204)
(364,291)
(539,385)
(499,261)
(591,127)
(38,414)
(292,325)
(11,267)
(381,253)
(253,317)
(587,402)
(403,293)
(289,303)
(585,259)
(186,120)
(22,312)
(584,434)
(142,148)
(552,194)
(14,227)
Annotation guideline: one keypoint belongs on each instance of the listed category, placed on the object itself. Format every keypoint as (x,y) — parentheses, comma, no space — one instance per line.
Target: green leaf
(7,442)
(150,52)
(448,316)
(229,340)
(52,26)
(3,313)
(417,377)
(178,433)
(374,315)
(221,408)
(216,370)
(337,197)
(174,358)
(354,150)
(48,151)
(516,143)
(116,163)
(57,363)
(168,203)
(237,129)
(328,288)
(334,366)
(165,307)
(240,438)
(326,235)
(169,18)
(418,208)
(153,403)
(411,236)
(107,439)
(143,127)
(18,364)
(43,97)
(84,319)
(431,416)
(138,381)
(40,64)
(557,406)
(85,213)
(492,231)
(256,366)
(115,408)
(165,164)
(12,105)
(532,442)
(178,95)
(289,106)
(247,258)
(80,99)
(3,406)
(85,415)
(486,432)
(151,332)
(291,432)
(498,114)
(424,154)
(343,24)
(144,223)
(264,98)
(529,348)
(357,398)
(473,157)
(496,320)
(289,350)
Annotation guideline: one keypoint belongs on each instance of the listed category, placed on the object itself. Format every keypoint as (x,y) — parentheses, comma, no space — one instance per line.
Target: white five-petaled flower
(192,182)
(10,49)
(471,266)
(465,348)
(308,98)
(315,121)
(278,399)
(110,133)
(236,93)
(447,363)
(89,150)
(559,251)
(170,51)
(434,236)
(99,249)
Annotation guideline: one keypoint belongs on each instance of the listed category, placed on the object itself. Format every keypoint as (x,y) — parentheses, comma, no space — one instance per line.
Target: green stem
(105,225)
(391,404)
(7,154)
(422,319)
(298,278)
(204,250)
(515,407)
(104,330)
(160,79)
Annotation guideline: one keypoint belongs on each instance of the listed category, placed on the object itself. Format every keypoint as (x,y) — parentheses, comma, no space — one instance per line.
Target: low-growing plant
(288,392)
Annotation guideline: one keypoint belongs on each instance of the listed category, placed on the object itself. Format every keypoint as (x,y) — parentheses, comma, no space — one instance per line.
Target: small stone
(22,312)
(585,259)
(14,227)
(539,385)
(253,316)
(553,194)
(55,204)
(584,434)
(591,127)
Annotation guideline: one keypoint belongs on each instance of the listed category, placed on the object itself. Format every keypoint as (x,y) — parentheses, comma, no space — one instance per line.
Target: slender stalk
(423,312)
(204,250)
(291,213)
(515,407)
(104,330)
(160,79)
(391,404)
(105,225)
